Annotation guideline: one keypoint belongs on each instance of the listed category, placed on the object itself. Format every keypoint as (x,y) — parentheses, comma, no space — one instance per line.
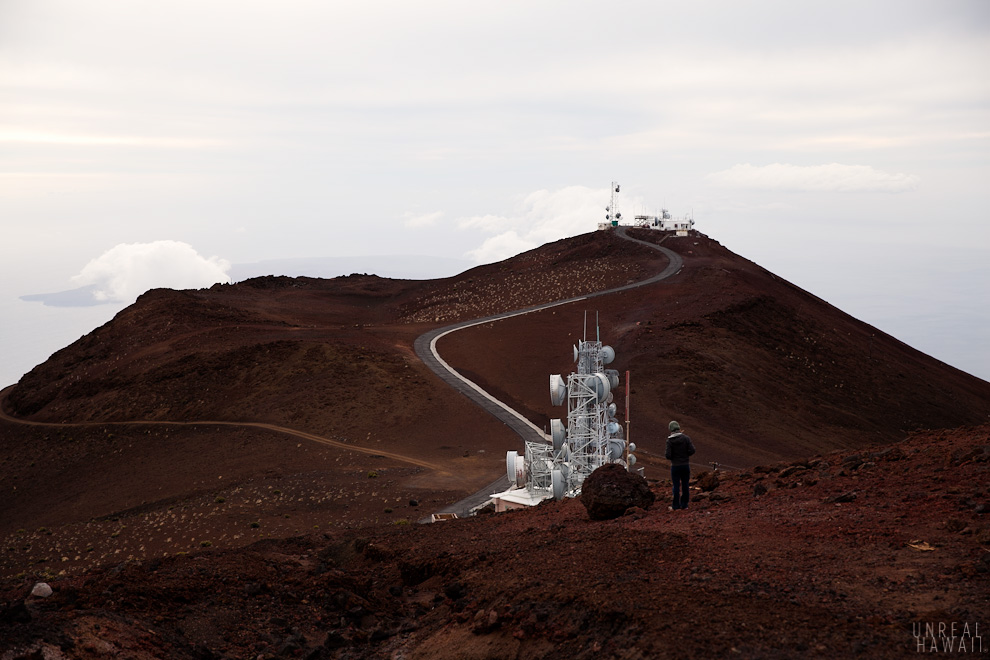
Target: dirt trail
(258,425)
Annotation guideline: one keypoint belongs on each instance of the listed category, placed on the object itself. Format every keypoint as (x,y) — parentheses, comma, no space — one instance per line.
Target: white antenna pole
(584,337)
(598,334)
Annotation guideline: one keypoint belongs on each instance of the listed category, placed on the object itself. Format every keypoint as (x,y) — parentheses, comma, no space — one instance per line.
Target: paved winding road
(426,349)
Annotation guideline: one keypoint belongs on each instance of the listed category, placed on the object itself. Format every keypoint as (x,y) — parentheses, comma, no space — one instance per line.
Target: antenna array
(591,438)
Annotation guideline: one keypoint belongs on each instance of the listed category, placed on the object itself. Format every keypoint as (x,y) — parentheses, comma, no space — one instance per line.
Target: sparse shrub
(205,544)
(115,534)
(220,500)
(388,510)
(255,525)
(401,521)
(276,492)
(372,475)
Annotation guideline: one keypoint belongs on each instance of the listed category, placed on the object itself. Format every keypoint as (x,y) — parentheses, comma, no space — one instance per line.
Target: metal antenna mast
(612,210)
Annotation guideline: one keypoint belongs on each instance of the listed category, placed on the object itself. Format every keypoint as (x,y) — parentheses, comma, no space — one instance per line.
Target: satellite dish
(602,387)
(613,428)
(611,410)
(575,353)
(559,484)
(558,389)
(616,448)
(558,433)
(608,354)
(563,454)
(613,378)
(632,446)
(632,460)
(609,398)
(510,466)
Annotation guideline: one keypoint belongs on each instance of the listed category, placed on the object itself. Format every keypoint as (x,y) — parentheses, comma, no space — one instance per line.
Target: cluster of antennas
(612,210)
(592,436)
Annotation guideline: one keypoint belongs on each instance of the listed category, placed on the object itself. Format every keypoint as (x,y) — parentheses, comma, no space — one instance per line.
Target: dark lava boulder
(708,481)
(610,490)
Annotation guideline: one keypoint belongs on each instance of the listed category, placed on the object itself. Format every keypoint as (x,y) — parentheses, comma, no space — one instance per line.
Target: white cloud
(543,216)
(833,177)
(500,247)
(415,220)
(125,271)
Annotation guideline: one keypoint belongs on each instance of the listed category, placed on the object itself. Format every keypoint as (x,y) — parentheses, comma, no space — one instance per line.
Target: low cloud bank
(125,271)
(833,177)
(543,216)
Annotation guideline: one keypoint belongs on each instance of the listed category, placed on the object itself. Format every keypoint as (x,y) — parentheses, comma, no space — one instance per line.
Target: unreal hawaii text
(948,637)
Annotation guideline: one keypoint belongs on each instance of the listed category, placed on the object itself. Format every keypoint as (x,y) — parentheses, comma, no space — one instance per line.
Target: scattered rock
(610,490)
(954,525)
(759,489)
(788,471)
(852,462)
(485,621)
(41,590)
(844,497)
(889,454)
(708,481)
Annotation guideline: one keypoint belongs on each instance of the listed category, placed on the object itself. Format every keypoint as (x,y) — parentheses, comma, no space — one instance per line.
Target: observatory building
(592,437)
(662,221)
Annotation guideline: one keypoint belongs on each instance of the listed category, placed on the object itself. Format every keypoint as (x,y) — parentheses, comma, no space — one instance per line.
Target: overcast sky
(844,145)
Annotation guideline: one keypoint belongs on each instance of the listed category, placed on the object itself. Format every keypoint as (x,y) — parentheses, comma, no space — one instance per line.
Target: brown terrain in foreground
(236,472)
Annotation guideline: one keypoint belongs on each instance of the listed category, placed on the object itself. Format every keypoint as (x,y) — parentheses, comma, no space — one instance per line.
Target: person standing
(679,452)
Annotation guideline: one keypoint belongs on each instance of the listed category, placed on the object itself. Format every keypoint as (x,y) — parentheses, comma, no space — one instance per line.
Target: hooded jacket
(679,448)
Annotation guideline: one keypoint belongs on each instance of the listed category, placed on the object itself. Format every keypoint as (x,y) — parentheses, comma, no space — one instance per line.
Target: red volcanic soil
(843,555)
(233,472)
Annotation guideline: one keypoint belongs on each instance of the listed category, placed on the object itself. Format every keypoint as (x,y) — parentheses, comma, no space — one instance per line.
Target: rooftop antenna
(584,336)
(598,334)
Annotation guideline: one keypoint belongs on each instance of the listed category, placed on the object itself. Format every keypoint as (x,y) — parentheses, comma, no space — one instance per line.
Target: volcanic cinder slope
(214,419)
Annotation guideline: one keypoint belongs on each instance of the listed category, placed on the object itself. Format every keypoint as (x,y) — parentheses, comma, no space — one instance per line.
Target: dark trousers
(680,475)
